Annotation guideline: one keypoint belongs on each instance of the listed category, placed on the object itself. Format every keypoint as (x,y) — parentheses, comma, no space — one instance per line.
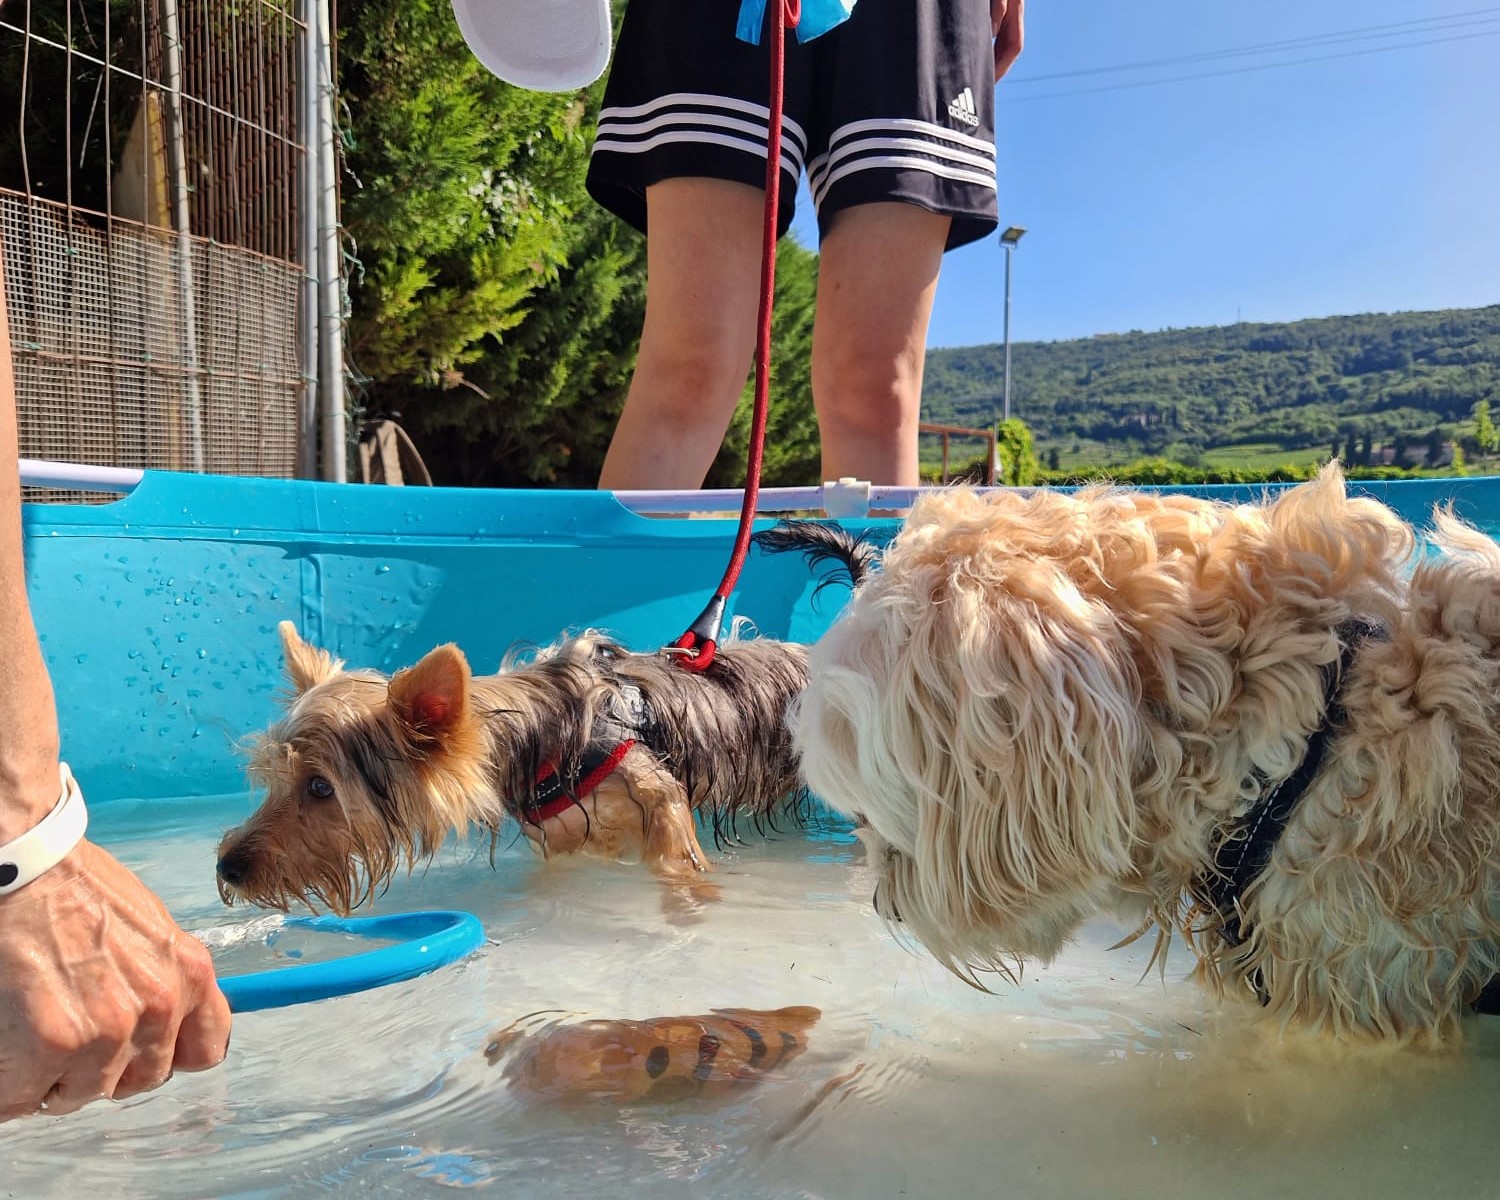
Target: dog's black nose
(234,868)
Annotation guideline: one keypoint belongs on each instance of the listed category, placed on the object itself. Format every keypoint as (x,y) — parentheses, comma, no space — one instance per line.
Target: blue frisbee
(426,941)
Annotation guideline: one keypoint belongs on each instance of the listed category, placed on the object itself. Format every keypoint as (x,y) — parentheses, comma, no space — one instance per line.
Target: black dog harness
(1245,849)
(613,737)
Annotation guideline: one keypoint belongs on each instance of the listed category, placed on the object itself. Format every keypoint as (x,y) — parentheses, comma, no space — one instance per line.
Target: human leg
(877,276)
(901,165)
(702,267)
(680,153)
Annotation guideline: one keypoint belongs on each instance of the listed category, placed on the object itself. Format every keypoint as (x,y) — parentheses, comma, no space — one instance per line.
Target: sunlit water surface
(1086,1081)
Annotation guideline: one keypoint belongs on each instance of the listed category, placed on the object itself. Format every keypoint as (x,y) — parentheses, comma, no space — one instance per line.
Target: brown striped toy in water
(661,1060)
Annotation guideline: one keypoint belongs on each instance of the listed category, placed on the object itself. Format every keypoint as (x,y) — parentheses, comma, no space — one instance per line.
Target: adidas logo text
(962,108)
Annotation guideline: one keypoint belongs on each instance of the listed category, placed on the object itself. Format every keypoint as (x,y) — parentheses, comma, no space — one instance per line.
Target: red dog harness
(612,741)
(553,795)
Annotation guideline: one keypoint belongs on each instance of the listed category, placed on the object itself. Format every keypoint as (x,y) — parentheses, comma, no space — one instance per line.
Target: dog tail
(819,542)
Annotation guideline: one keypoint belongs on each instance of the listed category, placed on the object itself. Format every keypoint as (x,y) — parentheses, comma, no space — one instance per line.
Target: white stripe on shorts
(624,130)
(951,155)
(926,129)
(824,162)
(896,163)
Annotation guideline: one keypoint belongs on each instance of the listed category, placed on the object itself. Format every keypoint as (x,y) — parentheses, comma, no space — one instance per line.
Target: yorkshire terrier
(1272,728)
(588,747)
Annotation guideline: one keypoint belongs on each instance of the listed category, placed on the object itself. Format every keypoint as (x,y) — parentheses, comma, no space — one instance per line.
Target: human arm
(101,994)
(1007,23)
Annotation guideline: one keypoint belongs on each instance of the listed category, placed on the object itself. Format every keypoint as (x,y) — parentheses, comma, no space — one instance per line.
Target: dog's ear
(432,697)
(306,665)
(985,722)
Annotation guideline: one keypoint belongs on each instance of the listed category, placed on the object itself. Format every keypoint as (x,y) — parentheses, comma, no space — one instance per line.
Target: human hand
(101,994)
(1008,26)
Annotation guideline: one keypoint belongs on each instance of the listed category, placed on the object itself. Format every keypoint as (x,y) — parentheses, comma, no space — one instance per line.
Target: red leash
(702,635)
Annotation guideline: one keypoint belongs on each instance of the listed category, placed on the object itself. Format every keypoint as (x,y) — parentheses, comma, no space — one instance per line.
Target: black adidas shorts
(897,103)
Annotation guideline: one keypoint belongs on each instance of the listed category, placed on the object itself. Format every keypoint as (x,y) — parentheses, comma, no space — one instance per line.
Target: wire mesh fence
(149,219)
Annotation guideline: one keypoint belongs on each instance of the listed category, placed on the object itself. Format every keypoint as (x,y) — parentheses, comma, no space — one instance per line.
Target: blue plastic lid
(428,940)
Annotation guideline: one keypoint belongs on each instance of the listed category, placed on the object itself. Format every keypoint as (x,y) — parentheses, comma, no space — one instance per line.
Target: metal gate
(164,171)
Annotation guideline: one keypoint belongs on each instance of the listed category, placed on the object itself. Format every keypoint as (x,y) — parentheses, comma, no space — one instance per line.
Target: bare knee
(866,392)
(869,407)
(685,377)
(876,282)
(681,399)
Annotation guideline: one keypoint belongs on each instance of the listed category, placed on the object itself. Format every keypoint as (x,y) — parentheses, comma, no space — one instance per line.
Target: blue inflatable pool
(158,612)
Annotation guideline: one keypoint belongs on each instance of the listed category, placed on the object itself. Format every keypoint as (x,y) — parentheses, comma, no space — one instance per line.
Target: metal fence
(160,209)
(987,465)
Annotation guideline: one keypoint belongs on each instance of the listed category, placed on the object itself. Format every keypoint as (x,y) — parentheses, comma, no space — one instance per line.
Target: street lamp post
(1008,241)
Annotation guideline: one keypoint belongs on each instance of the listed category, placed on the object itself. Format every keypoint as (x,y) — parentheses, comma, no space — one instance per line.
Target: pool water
(1085,1081)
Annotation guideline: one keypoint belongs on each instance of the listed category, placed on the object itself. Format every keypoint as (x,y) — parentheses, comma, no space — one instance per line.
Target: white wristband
(37,852)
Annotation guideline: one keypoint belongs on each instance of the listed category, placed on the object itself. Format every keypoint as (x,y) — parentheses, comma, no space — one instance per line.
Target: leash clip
(701,637)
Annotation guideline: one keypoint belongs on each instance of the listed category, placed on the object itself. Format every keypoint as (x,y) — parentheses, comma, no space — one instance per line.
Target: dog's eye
(319,788)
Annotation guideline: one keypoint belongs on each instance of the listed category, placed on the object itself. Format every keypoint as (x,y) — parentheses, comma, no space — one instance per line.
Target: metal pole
(330,265)
(307,201)
(181,214)
(1007,330)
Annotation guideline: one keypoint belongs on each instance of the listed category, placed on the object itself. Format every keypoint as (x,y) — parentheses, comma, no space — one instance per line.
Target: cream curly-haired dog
(1272,728)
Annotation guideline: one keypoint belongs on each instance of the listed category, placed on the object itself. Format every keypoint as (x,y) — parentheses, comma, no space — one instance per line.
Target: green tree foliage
(61,140)
(1309,385)
(1018,463)
(1486,439)
(457,193)
(497,307)
(1434,443)
(537,408)
(1159,472)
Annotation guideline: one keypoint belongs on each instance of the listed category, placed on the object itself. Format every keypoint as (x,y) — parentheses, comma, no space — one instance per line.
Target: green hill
(1238,394)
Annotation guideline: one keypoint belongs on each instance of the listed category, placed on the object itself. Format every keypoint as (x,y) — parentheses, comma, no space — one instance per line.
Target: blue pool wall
(158,612)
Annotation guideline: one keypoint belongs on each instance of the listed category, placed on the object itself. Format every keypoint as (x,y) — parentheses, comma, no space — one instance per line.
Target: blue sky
(1367,181)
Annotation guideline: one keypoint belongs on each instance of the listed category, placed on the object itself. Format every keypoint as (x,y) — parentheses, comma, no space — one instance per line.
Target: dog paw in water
(687,901)
(658,1061)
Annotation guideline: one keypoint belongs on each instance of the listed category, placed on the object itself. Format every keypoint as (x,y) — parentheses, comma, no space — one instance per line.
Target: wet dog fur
(363,773)
(1044,706)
